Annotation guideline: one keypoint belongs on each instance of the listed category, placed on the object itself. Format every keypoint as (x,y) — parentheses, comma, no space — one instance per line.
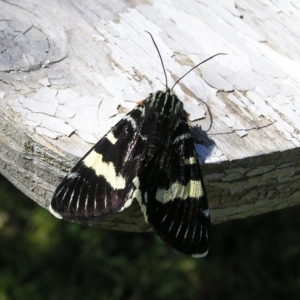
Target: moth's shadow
(203,144)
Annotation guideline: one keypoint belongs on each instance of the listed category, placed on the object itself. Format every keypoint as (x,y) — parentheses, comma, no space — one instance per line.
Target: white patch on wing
(127,204)
(182,137)
(95,161)
(86,203)
(171,226)
(57,193)
(146,197)
(78,199)
(54,213)
(95,197)
(186,233)
(111,138)
(131,121)
(200,255)
(71,199)
(143,111)
(143,209)
(179,229)
(190,161)
(137,193)
(193,189)
(138,196)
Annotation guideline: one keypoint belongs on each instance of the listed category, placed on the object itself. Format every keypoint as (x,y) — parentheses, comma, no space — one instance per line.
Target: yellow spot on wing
(190,161)
(127,204)
(95,161)
(193,189)
(111,138)
(138,196)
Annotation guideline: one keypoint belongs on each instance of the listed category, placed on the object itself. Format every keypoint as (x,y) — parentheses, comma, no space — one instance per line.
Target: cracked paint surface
(251,92)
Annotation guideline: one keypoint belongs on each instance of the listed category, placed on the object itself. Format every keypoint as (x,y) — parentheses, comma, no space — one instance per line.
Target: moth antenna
(196,67)
(162,63)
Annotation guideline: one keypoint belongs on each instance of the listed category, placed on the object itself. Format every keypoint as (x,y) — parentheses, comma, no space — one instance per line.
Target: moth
(149,157)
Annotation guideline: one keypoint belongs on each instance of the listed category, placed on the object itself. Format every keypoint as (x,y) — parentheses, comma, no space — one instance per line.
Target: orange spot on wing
(139,102)
(187,117)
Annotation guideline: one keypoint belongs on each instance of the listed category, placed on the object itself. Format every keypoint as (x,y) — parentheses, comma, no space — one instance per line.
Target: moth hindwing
(149,156)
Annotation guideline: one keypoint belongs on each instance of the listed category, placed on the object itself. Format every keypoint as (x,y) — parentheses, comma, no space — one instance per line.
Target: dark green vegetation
(45,258)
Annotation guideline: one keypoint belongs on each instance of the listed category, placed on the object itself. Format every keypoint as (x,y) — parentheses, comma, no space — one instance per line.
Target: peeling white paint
(45,82)
(66,94)
(2,94)
(119,63)
(36,106)
(64,112)
(195,111)
(56,125)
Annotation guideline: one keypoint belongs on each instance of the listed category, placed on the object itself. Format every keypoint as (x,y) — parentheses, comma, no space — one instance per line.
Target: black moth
(148,156)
